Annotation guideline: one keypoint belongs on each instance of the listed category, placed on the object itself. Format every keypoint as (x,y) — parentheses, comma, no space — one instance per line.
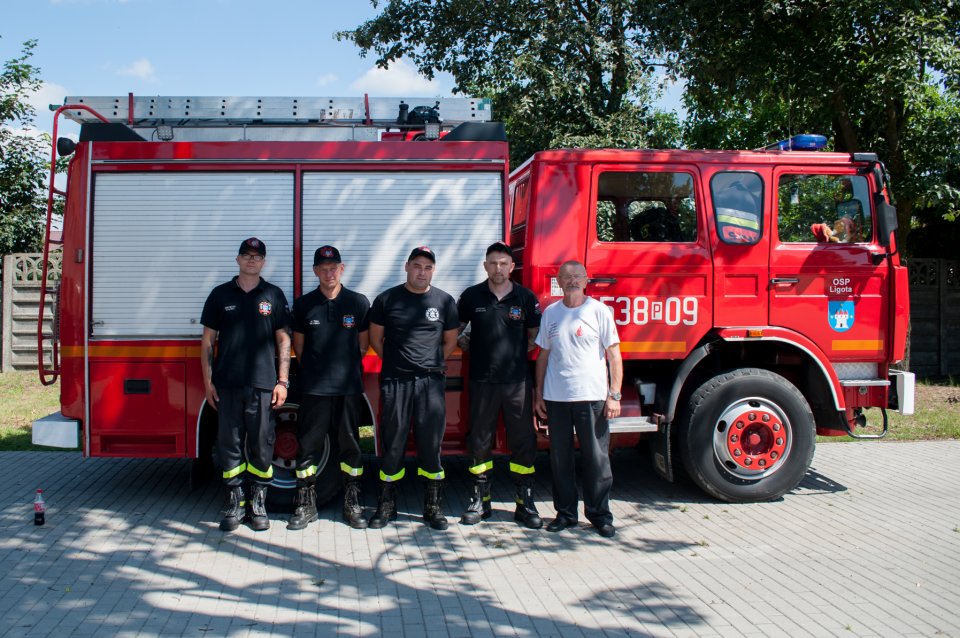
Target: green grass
(936,416)
(23,399)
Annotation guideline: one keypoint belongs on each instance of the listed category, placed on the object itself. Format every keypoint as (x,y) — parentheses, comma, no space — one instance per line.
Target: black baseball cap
(253,245)
(326,254)
(422,251)
(499,247)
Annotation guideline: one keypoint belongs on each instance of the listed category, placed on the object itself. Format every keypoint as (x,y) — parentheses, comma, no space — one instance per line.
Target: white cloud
(400,80)
(48,94)
(327,78)
(142,69)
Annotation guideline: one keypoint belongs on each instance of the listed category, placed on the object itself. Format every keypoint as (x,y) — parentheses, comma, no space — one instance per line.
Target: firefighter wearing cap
(329,338)
(504,318)
(413,328)
(246,319)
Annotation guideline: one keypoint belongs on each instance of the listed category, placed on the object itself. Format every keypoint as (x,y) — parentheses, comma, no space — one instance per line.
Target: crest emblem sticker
(840,315)
(265,308)
(349,321)
(433,314)
(515,313)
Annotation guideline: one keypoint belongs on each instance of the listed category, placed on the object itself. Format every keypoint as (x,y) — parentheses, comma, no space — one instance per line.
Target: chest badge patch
(265,308)
(515,313)
(433,314)
(349,321)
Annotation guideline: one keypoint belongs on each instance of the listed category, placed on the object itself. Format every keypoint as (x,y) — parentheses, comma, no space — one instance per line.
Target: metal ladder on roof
(200,118)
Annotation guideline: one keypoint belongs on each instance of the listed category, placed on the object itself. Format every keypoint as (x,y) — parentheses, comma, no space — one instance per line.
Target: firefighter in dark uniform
(329,338)
(413,328)
(503,318)
(247,319)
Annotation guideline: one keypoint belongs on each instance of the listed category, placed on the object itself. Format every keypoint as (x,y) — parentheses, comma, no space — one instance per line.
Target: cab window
(646,207)
(737,206)
(827,209)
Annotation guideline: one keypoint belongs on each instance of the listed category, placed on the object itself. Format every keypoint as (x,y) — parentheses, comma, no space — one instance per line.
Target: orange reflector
(755,333)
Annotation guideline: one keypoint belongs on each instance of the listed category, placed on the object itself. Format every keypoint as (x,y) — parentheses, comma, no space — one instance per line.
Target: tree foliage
(562,73)
(880,75)
(23,167)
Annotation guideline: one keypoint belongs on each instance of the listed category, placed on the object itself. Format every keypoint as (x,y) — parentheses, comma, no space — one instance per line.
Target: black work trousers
(515,401)
(587,419)
(245,435)
(419,402)
(340,417)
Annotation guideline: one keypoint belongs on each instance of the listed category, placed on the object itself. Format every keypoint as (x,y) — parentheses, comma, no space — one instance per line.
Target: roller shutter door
(376,218)
(161,242)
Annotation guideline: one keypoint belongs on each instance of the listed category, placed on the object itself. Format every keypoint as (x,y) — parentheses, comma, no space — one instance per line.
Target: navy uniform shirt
(498,331)
(331,362)
(246,323)
(413,327)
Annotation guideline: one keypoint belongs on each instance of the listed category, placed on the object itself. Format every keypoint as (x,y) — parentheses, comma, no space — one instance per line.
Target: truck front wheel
(747,435)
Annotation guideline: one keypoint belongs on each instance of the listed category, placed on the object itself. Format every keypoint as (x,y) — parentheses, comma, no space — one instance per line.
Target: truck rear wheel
(283,488)
(747,435)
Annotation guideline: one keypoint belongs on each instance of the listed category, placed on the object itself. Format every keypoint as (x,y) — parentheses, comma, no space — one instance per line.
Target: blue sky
(201,47)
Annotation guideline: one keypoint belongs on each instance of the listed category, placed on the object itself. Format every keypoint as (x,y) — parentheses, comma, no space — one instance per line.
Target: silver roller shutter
(161,242)
(376,218)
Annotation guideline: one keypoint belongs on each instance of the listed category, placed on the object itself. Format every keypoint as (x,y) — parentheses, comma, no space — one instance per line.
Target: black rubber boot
(386,506)
(306,511)
(479,508)
(234,510)
(352,509)
(432,504)
(526,513)
(258,508)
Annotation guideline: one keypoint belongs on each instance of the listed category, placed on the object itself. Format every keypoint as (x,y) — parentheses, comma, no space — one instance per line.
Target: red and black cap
(326,254)
(253,245)
(422,251)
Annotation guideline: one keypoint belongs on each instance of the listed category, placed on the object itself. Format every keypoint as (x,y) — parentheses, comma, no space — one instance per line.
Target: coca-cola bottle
(39,509)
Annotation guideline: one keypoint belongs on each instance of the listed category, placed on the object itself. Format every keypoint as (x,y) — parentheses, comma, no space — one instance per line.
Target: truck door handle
(777,281)
(602,280)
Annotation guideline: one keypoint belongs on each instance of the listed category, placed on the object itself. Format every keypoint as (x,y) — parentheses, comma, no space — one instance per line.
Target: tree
(569,72)
(23,166)
(872,72)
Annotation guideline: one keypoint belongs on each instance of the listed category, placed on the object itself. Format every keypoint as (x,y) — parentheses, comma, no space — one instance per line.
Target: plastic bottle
(39,509)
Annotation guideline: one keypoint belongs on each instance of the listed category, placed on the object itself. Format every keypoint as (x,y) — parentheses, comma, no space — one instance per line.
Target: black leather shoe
(607,530)
(560,523)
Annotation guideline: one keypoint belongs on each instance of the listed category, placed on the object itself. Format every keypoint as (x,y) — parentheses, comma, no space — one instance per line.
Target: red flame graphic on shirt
(580,331)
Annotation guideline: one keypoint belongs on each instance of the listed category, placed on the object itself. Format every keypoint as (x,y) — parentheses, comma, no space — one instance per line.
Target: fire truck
(759,295)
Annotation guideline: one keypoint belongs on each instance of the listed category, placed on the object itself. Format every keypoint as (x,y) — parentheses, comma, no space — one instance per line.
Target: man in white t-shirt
(577,392)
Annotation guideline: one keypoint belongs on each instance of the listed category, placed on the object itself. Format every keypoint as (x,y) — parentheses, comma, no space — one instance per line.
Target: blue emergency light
(805,142)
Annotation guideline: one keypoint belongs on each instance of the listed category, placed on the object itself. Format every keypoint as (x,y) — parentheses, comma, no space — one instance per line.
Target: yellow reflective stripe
(481,468)
(352,471)
(391,478)
(433,476)
(516,468)
(237,471)
(738,221)
(260,473)
(307,473)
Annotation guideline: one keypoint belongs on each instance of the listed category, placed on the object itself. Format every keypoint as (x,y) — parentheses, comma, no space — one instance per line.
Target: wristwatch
(616,396)
(285,384)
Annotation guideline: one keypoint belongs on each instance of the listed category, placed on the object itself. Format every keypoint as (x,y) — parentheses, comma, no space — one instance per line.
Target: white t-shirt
(577,339)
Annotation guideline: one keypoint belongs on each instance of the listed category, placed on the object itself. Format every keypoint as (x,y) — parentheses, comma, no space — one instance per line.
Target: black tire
(282,492)
(747,435)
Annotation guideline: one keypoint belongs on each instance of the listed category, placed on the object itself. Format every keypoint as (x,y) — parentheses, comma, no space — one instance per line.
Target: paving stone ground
(867,545)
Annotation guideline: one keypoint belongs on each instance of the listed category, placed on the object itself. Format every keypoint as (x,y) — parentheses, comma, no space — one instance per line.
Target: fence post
(7,364)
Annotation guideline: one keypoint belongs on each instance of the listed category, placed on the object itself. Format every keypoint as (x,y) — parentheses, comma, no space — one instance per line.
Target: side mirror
(886,219)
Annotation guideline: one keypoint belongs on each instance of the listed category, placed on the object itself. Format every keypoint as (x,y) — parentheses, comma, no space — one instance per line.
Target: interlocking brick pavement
(867,545)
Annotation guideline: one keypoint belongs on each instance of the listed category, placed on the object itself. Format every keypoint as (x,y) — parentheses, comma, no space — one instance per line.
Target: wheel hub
(752,438)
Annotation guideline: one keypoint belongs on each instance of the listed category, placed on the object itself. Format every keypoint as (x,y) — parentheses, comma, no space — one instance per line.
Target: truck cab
(758,296)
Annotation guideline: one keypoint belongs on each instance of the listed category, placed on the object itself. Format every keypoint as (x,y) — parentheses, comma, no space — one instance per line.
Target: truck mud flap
(661,453)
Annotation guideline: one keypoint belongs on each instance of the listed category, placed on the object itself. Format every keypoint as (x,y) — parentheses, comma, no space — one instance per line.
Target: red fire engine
(759,295)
